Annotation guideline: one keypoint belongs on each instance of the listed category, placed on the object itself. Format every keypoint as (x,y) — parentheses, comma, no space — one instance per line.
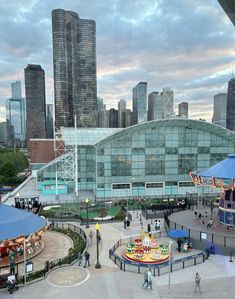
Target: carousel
(146,250)
(221,176)
(19,229)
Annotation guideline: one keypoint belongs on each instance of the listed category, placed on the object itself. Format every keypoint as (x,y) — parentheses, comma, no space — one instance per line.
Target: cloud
(187,45)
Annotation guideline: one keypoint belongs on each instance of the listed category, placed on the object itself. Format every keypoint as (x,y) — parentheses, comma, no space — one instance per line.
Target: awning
(16,222)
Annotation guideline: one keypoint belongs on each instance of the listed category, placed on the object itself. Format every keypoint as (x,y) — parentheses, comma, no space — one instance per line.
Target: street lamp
(97,227)
(169,271)
(87,202)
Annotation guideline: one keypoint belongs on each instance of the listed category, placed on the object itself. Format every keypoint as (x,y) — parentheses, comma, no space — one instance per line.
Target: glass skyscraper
(15,112)
(139,102)
(220,109)
(74,58)
(230,119)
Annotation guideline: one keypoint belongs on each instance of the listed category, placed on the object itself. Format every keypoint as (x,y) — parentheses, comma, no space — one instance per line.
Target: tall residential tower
(35,101)
(74,58)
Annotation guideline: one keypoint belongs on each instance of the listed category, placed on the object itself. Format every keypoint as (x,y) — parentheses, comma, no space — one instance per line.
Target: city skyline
(135,42)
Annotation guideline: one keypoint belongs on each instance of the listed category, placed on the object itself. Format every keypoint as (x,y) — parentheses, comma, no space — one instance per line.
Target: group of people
(148,281)
(84,257)
(199,216)
(156,227)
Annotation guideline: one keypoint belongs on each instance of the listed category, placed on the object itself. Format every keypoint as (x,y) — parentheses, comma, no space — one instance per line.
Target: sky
(186,45)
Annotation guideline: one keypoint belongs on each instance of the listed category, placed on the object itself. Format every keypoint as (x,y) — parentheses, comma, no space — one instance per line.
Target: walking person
(91,237)
(197,283)
(150,281)
(87,259)
(79,258)
(179,242)
(145,278)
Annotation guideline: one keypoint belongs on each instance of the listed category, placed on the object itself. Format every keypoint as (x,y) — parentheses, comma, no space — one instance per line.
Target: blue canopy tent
(224,169)
(221,175)
(15,223)
(178,233)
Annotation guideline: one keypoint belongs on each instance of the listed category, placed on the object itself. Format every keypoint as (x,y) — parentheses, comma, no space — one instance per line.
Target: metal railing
(224,243)
(158,269)
(49,265)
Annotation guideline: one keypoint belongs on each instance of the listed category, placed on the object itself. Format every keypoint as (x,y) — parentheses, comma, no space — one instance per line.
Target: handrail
(197,258)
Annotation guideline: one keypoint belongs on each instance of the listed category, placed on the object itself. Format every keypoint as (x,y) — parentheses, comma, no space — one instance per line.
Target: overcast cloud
(186,45)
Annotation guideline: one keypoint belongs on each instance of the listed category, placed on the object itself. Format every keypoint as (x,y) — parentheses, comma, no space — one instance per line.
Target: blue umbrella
(178,233)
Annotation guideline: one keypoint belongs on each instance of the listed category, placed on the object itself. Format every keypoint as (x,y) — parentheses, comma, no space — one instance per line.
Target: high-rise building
(183,109)
(127,118)
(167,98)
(139,102)
(230,115)
(16,90)
(102,119)
(229,8)
(74,58)
(15,113)
(113,118)
(100,104)
(155,106)
(49,121)
(121,109)
(35,102)
(220,109)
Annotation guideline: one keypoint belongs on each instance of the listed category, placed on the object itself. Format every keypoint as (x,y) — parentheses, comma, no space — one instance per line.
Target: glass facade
(148,159)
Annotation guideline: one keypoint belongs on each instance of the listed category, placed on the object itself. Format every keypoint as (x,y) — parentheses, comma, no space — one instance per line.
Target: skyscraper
(220,109)
(183,109)
(229,8)
(121,109)
(49,121)
(127,118)
(139,102)
(74,58)
(16,90)
(100,104)
(15,113)
(167,98)
(113,118)
(230,115)
(155,106)
(35,101)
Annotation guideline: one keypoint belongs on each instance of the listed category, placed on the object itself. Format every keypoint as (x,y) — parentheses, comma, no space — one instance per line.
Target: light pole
(87,202)
(169,271)
(25,262)
(97,227)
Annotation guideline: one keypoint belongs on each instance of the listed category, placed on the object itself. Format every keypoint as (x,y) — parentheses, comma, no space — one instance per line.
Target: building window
(203,150)
(186,184)
(100,168)
(120,186)
(154,165)
(154,185)
(187,163)
(138,184)
(171,183)
(138,150)
(171,150)
(121,165)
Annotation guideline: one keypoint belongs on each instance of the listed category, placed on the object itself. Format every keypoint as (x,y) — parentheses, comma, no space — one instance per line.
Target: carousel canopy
(15,222)
(224,169)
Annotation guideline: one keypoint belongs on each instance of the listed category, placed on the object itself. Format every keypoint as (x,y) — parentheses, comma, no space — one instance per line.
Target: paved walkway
(218,276)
